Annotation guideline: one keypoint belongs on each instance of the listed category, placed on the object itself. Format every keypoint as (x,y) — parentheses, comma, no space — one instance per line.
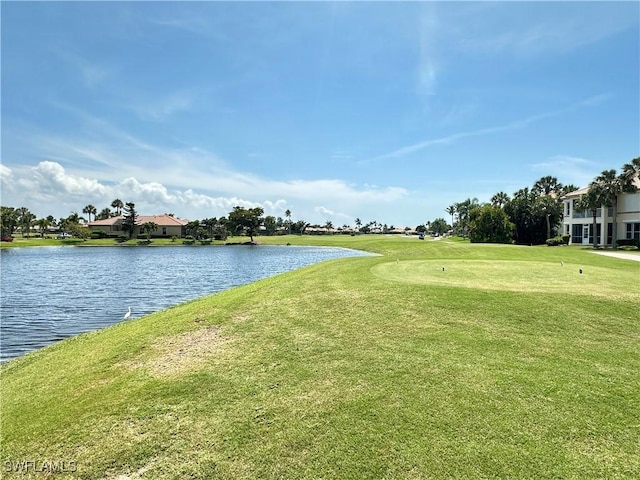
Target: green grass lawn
(507,364)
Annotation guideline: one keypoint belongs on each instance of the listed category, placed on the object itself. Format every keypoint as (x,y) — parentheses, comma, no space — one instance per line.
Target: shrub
(629,242)
(555,241)
(98,235)
(565,238)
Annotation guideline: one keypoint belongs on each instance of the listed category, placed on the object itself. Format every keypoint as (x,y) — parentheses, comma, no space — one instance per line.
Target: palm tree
(632,169)
(499,199)
(43,224)
(89,210)
(328,226)
(104,214)
(118,205)
(451,210)
(547,185)
(610,185)
(287,213)
(25,218)
(358,224)
(592,200)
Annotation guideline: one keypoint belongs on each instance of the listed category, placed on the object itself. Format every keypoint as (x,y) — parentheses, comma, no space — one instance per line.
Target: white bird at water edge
(128,314)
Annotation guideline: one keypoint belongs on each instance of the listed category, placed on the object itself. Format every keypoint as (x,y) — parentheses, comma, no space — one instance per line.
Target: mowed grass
(508,364)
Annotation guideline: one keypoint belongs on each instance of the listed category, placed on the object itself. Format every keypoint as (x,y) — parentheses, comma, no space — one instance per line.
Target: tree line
(529,216)
(532,216)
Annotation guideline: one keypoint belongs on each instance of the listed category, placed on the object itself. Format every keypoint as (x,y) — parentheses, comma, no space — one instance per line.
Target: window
(576,233)
(633,231)
(567,208)
(609,233)
(164,230)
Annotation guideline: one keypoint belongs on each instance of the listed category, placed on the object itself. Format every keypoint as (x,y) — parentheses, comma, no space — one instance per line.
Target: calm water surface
(51,293)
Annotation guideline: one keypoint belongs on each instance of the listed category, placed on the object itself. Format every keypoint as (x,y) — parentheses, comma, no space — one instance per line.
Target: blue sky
(335,110)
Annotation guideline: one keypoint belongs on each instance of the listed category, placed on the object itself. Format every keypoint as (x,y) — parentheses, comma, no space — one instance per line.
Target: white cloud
(48,188)
(5,173)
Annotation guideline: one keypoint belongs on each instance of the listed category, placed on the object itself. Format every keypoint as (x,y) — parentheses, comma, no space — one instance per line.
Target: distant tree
(500,199)
(358,224)
(287,214)
(43,224)
(439,226)
(25,220)
(270,225)
(77,230)
(299,227)
(451,210)
(118,205)
(104,214)
(489,224)
(192,228)
(74,218)
(149,227)
(463,209)
(89,210)
(130,219)
(546,186)
(209,224)
(8,220)
(328,225)
(246,220)
(52,221)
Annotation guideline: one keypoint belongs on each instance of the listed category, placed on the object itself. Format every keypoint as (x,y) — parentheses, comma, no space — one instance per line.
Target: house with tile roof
(168,226)
(579,225)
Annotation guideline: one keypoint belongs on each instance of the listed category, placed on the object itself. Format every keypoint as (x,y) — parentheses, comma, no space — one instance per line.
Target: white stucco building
(580,224)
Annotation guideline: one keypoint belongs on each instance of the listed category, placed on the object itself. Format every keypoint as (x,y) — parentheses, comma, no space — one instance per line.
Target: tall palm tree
(547,185)
(287,213)
(451,210)
(591,201)
(610,185)
(118,205)
(631,170)
(358,224)
(25,219)
(500,199)
(90,210)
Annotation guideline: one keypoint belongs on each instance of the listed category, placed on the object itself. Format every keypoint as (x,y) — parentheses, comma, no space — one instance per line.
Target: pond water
(51,293)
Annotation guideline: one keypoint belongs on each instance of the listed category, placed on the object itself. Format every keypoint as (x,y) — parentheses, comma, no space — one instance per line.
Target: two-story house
(580,224)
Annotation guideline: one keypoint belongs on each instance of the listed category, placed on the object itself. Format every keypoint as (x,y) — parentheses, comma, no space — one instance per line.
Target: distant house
(168,226)
(579,225)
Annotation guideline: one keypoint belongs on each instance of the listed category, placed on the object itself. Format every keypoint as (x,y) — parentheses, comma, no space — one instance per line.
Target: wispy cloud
(93,74)
(575,170)
(525,30)
(517,124)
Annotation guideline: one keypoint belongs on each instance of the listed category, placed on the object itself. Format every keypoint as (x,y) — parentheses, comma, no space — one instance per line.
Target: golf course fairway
(431,359)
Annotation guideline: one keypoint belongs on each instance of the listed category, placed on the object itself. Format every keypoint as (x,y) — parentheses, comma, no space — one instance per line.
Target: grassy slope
(346,370)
